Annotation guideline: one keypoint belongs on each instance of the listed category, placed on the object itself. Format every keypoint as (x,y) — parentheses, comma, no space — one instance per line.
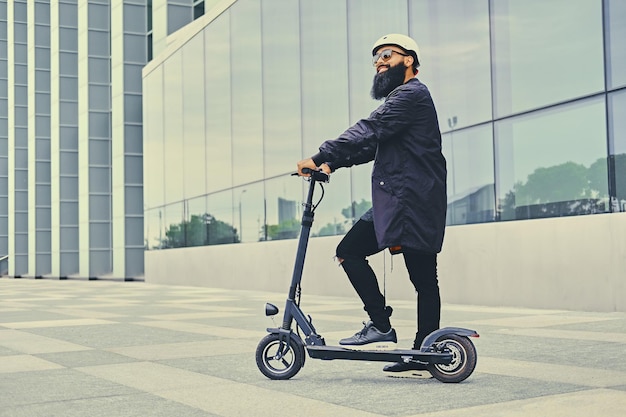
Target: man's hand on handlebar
(308,163)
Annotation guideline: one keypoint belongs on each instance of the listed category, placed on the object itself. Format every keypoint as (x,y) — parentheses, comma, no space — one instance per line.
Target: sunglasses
(385,54)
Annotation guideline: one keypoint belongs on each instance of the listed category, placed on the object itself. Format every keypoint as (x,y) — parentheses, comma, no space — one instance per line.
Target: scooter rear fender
(459,331)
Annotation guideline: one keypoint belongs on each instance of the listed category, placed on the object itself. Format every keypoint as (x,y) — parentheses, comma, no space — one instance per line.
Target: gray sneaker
(370,338)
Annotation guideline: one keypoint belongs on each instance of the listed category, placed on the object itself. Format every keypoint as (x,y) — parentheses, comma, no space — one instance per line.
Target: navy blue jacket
(409,175)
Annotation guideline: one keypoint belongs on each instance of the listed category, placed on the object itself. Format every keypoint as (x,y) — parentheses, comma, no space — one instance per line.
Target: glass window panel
(69,213)
(453,36)
(250,212)
(98,16)
(193,118)
(283,208)
(99,180)
(42,194)
(615,12)
(177,17)
(132,78)
(68,63)
(99,70)
(69,138)
(42,58)
(99,125)
(471,185)
(42,103)
(42,13)
(68,15)
(20,13)
(133,169)
(20,54)
(42,126)
(154,229)
(68,87)
(135,48)
(133,231)
(99,97)
(173,126)
(69,113)
(42,80)
(281,86)
(133,200)
(247,100)
(218,103)
(21,95)
(533,68)
(42,36)
(617,137)
(221,219)
(21,74)
(68,163)
(548,163)
(132,108)
(98,43)
(154,162)
(134,18)
(42,149)
(100,152)
(99,207)
(68,39)
(68,187)
(198,222)
(42,173)
(69,240)
(323,118)
(99,233)
(133,138)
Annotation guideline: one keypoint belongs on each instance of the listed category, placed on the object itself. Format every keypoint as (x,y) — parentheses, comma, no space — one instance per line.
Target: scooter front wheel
(463,359)
(278,360)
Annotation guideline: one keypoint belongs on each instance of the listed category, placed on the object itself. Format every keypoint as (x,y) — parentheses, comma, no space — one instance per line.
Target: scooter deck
(396,355)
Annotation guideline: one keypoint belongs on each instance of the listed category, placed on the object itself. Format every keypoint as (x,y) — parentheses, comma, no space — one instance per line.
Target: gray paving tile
(140,405)
(42,387)
(85,358)
(116,335)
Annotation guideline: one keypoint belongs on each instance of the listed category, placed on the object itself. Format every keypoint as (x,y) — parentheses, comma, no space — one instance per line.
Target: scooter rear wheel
(275,364)
(463,359)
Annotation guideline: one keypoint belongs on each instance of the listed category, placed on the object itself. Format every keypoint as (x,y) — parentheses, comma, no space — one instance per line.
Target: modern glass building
(528,106)
(71,171)
(529,95)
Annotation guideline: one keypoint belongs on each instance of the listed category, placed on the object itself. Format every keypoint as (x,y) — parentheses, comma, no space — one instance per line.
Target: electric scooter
(448,353)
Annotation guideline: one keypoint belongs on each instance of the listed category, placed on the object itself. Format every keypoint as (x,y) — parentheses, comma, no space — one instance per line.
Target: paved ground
(98,348)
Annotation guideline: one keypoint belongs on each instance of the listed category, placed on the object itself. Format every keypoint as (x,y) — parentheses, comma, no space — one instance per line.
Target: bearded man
(408,213)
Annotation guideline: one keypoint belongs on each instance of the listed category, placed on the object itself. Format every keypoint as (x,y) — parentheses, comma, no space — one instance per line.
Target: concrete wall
(573,263)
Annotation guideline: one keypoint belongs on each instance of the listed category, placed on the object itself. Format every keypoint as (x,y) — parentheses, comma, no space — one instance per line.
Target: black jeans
(359,243)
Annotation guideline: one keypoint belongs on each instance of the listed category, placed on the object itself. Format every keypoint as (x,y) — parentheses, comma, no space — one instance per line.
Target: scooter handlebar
(317,174)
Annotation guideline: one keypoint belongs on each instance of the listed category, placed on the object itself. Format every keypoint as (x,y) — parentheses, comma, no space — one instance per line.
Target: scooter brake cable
(321,198)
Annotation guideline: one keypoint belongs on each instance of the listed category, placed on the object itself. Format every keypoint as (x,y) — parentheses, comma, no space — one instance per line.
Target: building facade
(528,104)
(71,170)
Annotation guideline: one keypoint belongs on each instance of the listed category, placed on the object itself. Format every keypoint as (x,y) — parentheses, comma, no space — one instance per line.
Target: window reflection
(615,12)
(282,131)
(174,224)
(454,42)
(533,68)
(219,219)
(617,138)
(469,157)
(283,208)
(553,163)
(221,139)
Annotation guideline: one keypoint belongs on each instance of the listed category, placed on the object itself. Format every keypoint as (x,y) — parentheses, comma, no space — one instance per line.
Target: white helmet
(403,42)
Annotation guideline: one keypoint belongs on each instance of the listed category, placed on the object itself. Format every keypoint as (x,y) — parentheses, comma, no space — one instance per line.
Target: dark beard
(385,82)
